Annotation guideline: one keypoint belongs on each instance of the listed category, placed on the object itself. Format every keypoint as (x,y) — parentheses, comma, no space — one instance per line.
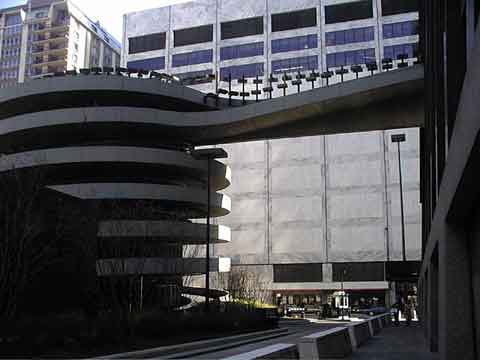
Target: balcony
(50,61)
(58,26)
(51,38)
(57,49)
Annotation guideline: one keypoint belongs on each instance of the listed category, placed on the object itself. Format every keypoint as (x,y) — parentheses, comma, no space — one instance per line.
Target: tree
(244,284)
(25,245)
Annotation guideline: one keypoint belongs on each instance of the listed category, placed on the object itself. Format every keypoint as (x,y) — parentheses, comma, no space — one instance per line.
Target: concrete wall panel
(190,14)
(356,243)
(229,9)
(307,247)
(356,205)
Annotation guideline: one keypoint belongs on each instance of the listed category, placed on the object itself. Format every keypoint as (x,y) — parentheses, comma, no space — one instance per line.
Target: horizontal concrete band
(274,351)
(392,99)
(174,161)
(196,345)
(171,231)
(213,293)
(160,266)
(196,198)
(137,89)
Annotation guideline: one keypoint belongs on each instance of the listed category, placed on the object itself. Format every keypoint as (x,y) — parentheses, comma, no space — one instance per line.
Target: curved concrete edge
(195,345)
(103,83)
(220,203)
(220,173)
(183,232)
(157,266)
(213,293)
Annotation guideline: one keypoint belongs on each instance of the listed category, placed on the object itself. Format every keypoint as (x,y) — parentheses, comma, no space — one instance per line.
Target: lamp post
(208,155)
(398,138)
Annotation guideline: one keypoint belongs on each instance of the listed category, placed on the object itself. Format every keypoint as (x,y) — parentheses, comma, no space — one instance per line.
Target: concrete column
(327,272)
(102,52)
(23,54)
(432,323)
(455,335)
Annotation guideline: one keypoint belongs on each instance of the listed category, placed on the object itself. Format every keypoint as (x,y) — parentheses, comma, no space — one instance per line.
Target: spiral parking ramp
(149,187)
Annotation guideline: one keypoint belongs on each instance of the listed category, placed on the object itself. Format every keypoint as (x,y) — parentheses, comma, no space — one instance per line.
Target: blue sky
(108,12)
(9,3)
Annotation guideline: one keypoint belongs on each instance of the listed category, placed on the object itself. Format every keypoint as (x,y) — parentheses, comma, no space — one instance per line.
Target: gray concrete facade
(319,199)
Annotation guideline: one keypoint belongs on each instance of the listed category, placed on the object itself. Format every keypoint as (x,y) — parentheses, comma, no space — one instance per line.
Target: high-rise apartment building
(310,214)
(45,36)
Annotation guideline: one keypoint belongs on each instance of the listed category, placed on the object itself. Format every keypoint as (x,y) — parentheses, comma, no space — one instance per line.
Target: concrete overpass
(169,113)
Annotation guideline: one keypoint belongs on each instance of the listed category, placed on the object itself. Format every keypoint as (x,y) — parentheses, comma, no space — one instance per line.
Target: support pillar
(455,331)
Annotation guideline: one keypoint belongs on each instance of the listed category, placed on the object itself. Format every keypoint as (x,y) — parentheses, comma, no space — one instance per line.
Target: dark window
(297,273)
(238,71)
(393,7)
(148,64)
(350,57)
(295,43)
(146,43)
(294,20)
(349,11)
(368,271)
(194,76)
(405,28)
(295,64)
(350,36)
(196,35)
(192,58)
(244,27)
(241,51)
(395,50)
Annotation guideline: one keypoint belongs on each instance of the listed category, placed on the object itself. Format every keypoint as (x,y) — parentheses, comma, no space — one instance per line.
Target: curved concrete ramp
(386,100)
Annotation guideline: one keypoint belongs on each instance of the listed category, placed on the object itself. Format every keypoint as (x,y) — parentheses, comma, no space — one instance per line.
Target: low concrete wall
(164,351)
(375,326)
(359,333)
(333,343)
(275,351)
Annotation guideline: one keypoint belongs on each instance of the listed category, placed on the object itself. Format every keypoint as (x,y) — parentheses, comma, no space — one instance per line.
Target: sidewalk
(396,343)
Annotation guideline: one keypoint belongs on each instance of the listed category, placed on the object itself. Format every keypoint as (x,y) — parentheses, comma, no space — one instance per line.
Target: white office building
(310,214)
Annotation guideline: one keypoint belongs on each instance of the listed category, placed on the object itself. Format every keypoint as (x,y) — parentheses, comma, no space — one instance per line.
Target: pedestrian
(408,311)
(396,313)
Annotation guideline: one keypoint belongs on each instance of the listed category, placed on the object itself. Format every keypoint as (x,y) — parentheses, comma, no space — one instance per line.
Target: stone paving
(396,343)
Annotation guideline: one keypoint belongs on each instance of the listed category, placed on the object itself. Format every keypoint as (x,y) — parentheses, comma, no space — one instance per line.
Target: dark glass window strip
(405,28)
(295,43)
(146,43)
(353,57)
(395,50)
(241,51)
(148,64)
(350,11)
(243,27)
(394,7)
(191,77)
(247,70)
(294,20)
(362,271)
(195,35)
(192,58)
(297,273)
(350,36)
(295,64)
